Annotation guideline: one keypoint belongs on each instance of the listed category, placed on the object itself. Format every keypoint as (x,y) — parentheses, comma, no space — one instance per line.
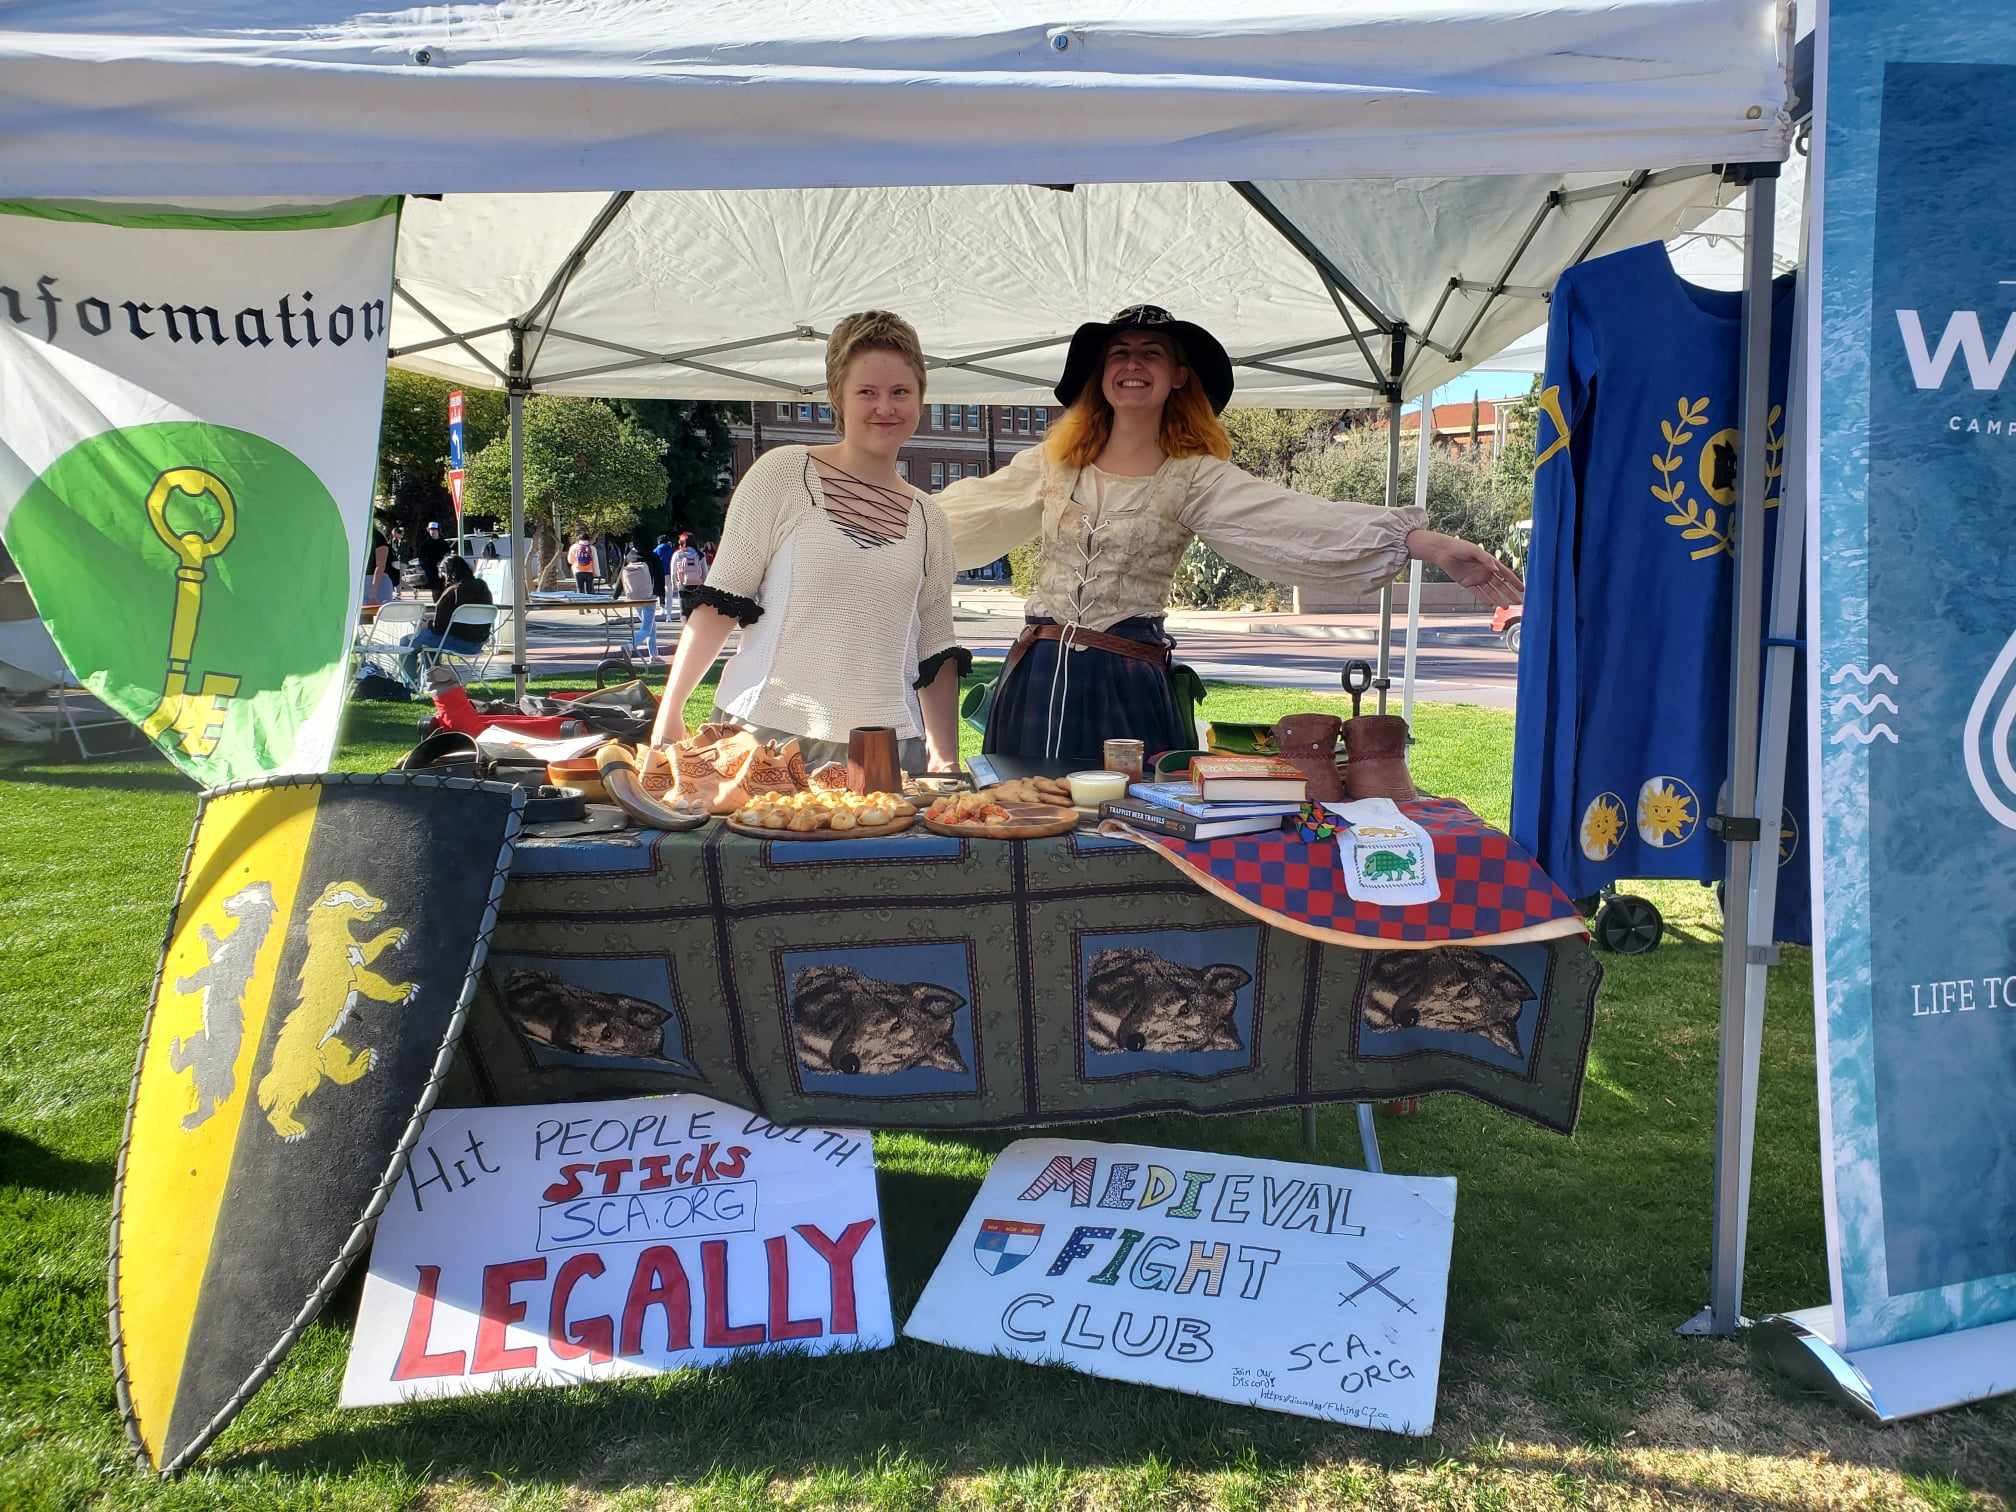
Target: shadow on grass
(124,777)
(28,1164)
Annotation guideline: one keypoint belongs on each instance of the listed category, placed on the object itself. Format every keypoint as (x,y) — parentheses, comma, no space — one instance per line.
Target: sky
(1484,385)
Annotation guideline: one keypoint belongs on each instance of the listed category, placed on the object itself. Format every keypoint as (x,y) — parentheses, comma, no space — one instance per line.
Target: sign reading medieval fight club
(189,406)
(1915,673)
(1301,1288)
(584,1241)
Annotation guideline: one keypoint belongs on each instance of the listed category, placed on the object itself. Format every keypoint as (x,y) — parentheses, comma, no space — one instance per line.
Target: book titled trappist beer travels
(1150,816)
(1261,779)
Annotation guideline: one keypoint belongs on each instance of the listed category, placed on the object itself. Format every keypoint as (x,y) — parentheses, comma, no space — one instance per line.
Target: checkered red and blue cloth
(1490,885)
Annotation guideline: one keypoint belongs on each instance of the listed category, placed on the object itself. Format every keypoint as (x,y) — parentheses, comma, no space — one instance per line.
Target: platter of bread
(823,814)
(1028,808)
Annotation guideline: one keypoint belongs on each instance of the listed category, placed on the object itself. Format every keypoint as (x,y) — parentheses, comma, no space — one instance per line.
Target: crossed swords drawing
(1373,1283)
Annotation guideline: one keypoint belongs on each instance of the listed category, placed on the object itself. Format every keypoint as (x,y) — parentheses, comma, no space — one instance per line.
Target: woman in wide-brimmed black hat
(1134,469)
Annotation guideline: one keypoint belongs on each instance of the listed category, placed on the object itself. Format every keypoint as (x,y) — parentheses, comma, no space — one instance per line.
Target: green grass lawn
(1562,1381)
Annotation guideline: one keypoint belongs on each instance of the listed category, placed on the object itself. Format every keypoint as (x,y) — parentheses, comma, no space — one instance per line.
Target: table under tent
(1362,199)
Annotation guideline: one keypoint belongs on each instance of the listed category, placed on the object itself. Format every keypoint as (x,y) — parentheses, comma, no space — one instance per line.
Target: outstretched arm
(1286,536)
(705,632)
(1487,578)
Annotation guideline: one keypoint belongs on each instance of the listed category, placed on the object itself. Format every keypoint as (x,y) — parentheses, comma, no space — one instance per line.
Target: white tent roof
(1711,255)
(999,277)
(1222,152)
(200,97)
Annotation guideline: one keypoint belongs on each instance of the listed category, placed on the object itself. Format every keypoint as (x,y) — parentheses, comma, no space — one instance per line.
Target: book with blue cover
(1182,797)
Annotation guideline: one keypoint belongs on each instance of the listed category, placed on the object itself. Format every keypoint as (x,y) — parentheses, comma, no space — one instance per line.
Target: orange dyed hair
(1189,427)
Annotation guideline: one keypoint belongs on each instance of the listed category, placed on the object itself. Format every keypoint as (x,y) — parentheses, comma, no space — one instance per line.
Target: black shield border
(366,1224)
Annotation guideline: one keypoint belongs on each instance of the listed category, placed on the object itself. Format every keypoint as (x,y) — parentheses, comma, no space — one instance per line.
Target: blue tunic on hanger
(1622,739)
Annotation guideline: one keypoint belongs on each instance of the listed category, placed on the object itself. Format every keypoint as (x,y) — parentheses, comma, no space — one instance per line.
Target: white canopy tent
(1362,198)
(729,295)
(1709,253)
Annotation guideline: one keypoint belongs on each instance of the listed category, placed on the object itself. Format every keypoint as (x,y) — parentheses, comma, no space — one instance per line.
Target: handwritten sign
(1302,1288)
(584,1241)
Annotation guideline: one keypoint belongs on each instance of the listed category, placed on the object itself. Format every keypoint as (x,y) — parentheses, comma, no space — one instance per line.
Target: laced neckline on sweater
(868,514)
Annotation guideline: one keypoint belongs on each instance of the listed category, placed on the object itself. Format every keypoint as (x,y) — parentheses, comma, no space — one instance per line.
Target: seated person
(460,586)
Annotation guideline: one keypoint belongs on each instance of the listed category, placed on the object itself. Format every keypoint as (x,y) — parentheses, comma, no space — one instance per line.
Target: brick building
(1452,426)
(953,441)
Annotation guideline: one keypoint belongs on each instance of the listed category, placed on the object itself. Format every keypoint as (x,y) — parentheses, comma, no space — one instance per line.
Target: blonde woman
(840,575)
(1132,471)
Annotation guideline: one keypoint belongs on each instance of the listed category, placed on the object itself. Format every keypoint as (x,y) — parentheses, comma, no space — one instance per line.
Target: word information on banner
(585,1241)
(1300,1288)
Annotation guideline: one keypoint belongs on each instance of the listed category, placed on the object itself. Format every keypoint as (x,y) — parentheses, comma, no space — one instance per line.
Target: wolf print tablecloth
(926,982)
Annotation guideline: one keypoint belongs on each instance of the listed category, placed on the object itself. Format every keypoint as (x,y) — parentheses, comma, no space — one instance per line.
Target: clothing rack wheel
(1629,925)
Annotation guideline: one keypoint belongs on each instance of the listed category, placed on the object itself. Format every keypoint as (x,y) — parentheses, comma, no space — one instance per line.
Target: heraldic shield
(323,951)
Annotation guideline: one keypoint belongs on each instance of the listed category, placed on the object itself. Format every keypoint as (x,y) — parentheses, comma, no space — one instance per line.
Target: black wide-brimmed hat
(1202,354)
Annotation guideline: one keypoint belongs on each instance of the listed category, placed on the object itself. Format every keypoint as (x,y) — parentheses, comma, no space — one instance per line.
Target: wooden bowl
(581,773)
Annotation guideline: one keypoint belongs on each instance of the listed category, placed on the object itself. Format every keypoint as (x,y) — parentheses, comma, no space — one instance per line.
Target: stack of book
(1225,795)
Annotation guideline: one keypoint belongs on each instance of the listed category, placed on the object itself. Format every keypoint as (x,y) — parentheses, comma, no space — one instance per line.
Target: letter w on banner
(189,403)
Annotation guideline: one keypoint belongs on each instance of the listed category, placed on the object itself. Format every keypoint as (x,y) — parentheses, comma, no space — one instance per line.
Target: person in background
(634,583)
(581,556)
(707,555)
(662,555)
(689,568)
(656,568)
(840,575)
(490,551)
(460,586)
(432,550)
(379,584)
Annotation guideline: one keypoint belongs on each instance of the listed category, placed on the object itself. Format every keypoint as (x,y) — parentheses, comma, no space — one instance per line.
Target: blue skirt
(1043,710)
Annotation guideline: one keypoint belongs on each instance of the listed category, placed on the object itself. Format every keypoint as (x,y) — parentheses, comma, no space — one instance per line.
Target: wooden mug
(872,765)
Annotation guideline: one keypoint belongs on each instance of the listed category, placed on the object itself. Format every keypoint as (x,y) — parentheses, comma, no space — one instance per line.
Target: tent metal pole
(1293,235)
(796,333)
(1396,361)
(442,326)
(441,341)
(1414,568)
(1350,325)
(1275,367)
(1499,285)
(1737,824)
(518,389)
(1610,213)
(549,297)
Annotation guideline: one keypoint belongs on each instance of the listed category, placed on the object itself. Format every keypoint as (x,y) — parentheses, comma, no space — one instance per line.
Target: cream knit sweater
(840,628)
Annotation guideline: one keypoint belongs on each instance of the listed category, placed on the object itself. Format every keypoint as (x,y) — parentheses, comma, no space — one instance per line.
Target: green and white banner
(189,402)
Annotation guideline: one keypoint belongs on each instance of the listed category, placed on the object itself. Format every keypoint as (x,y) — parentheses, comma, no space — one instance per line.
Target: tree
(1512,467)
(1464,496)
(586,468)
(413,443)
(1266,442)
(697,455)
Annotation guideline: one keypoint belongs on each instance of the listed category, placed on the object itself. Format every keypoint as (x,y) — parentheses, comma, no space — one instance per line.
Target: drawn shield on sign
(1004,1243)
(323,950)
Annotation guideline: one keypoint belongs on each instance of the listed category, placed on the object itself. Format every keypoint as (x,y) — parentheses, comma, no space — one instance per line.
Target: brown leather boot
(1308,742)
(1376,745)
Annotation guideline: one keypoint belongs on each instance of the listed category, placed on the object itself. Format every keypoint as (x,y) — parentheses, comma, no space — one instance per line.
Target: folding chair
(469,622)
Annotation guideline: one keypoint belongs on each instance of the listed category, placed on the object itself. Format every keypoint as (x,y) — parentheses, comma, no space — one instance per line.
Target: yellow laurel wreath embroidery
(1696,522)
(1774,457)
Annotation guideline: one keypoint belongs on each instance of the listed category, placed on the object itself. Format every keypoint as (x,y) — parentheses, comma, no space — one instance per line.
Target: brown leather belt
(1098,640)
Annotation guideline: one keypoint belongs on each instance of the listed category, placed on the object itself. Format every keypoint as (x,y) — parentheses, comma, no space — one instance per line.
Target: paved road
(1478,675)
(1484,675)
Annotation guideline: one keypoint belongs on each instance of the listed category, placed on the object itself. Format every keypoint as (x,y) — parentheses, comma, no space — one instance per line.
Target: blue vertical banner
(1913,572)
